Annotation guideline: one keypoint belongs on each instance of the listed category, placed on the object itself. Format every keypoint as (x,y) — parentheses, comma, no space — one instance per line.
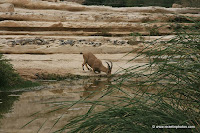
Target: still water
(17,108)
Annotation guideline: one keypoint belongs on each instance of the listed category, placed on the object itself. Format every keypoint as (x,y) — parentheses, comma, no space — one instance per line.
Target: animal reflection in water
(95,88)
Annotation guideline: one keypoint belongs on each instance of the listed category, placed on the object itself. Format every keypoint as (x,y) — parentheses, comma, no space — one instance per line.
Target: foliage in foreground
(165,92)
(9,79)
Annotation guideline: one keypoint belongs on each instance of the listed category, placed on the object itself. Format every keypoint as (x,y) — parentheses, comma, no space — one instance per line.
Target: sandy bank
(29,64)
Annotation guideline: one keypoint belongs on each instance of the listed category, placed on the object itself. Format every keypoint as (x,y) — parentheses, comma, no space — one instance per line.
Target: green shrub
(9,78)
(163,92)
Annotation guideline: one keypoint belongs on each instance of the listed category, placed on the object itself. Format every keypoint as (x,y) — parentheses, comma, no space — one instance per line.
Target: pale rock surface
(6,7)
(176,5)
(66,27)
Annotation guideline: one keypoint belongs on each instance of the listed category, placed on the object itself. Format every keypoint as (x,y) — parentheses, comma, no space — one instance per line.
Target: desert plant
(136,39)
(165,92)
(154,31)
(9,78)
(152,97)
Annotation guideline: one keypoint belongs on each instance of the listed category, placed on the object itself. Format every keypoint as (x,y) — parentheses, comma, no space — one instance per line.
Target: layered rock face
(76,1)
(67,27)
(6,7)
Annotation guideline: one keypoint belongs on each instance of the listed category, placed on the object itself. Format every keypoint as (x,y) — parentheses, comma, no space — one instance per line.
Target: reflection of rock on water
(52,96)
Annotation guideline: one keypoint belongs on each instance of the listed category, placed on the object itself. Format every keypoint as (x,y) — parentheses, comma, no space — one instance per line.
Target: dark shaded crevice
(104,30)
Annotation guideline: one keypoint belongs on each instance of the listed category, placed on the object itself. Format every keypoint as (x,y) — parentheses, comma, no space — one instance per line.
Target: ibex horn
(110,67)
(111,64)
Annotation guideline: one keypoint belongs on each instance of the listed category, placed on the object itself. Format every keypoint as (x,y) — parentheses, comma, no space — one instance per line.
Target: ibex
(96,64)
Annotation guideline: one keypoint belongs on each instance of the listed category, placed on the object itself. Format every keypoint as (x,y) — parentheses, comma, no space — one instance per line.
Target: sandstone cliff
(99,26)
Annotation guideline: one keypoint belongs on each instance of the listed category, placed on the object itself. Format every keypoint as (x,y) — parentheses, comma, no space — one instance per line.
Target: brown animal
(96,64)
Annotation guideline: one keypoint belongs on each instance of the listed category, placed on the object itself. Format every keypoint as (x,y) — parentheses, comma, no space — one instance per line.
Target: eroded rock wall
(6,7)
(67,22)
